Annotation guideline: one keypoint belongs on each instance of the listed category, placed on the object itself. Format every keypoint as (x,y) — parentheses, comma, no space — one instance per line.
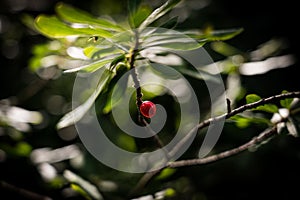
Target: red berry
(148,109)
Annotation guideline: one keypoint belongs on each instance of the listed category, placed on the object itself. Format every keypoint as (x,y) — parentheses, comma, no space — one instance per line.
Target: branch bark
(213,158)
(22,192)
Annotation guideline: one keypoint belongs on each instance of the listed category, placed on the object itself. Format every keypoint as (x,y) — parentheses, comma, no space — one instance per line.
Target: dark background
(272,172)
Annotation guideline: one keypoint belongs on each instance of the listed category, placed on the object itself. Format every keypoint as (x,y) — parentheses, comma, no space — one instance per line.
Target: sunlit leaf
(216,35)
(159,12)
(171,42)
(52,27)
(271,108)
(139,16)
(178,63)
(133,6)
(97,52)
(76,114)
(167,39)
(77,16)
(116,93)
(81,191)
(264,66)
(95,65)
(171,23)
(137,13)
(166,173)
(286,103)
(251,98)
(225,49)
(165,194)
(126,142)
(242,121)
(82,186)
(291,127)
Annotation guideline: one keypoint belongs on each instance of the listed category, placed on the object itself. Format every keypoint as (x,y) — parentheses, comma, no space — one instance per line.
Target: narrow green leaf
(73,15)
(139,16)
(95,65)
(171,23)
(199,74)
(166,173)
(159,12)
(84,187)
(133,5)
(81,191)
(251,98)
(52,27)
(216,35)
(76,114)
(116,91)
(174,43)
(170,40)
(95,52)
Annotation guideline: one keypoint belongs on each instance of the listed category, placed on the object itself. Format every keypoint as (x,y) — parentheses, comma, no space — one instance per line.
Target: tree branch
(260,138)
(22,192)
(134,75)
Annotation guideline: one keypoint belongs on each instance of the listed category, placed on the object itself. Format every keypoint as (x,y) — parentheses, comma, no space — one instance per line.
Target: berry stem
(134,74)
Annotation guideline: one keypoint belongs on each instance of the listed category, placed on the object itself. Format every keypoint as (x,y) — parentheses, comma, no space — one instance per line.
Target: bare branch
(22,192)
(261,137)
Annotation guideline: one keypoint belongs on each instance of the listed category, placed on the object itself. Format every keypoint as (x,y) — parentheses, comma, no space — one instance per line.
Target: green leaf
(173,43)
(251,98)
(245,121)
(76,114)
(182,67)
(84,187)
(77,16)
(137,13)
(167,39)
(95,52)
(139,16)
(116,91)
(81,191)
(95,65)
(286,103)
(170,24)
(216,35)
(166,173)
(271,108)
(52,27)
(198,74)
(133,6)
(158,13)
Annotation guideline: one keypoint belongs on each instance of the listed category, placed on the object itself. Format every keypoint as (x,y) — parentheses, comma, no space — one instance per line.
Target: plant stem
(22,192)
(133,71)
(139,94)
(213,158)
(260,138)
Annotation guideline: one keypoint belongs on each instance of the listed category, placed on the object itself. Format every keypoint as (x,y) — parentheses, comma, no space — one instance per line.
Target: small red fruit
(148,109)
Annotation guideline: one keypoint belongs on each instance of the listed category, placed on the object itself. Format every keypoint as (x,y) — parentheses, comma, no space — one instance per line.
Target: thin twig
(133,71)
(228,102)
(263,136)
(260,138)
(139,94)
(22,192)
